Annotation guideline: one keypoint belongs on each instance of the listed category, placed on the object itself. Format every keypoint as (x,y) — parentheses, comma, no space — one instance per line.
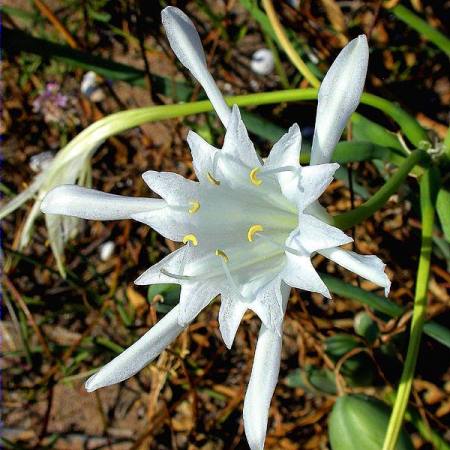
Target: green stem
(422,27)
(430,435)
(419,313)
(357,215)
(413,131)
(276,59)
(287,46)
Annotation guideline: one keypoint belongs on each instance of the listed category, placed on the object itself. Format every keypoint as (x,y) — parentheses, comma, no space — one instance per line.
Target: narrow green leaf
(443,211)
(381,304)
(422,27)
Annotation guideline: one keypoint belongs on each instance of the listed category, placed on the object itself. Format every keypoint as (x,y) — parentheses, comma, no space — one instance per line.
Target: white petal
(77,201)
(173,188)
(231,312)
(369,267)
(339,96)
(194,297)
(186,44)
(141,353)
(300,273)
(237,143)
(286,152)
(268,304)
(261,386)
(312,234)
(170,223)
(202,155)
(313,182)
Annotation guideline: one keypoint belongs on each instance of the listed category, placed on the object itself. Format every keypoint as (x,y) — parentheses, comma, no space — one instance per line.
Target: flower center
(240,230)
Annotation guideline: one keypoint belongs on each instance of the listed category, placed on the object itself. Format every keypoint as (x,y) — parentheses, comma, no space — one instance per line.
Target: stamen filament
(281,246)
(224,261)
(279,170)
(178,276)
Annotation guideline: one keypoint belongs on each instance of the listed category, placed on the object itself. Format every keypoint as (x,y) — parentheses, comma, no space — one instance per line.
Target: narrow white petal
(194,297)
(268,304)
(313,182)
(261,386)
(170,223)
(312,234)
(232,309)
(237,144)
(202,155)
(339,96)
(286,151)
(300,273)
(141,353)
(173,188)
(186,44)
(369,267)
(77,201)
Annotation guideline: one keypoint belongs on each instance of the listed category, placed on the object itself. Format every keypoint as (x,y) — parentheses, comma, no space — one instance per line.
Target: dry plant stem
(286,44)
(419,313)
(18,298)
(47,12)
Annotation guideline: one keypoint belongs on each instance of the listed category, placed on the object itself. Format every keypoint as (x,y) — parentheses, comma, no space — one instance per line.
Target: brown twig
(23,306)
(48,13)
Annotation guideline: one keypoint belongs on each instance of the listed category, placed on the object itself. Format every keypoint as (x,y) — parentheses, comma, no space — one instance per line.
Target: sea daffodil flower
(249,227)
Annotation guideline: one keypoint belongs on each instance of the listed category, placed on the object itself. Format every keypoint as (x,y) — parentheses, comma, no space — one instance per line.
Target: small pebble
(41,161)
(89,87)
(106,250)
(262,62)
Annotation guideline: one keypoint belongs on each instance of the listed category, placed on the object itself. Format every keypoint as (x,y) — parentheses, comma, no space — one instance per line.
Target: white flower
(249,227)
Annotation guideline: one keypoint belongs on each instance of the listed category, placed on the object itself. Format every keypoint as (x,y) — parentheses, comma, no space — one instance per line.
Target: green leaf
(443,211)
(17,40)
(359,422)
(422,27)
(170,294)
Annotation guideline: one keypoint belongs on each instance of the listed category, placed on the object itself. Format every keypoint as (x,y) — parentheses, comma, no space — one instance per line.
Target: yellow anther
(212,180)
(195,206)
(222,254)
(253,176)
(190,238)
(253,230)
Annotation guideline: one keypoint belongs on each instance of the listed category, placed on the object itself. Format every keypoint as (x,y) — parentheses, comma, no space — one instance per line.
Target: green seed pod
(366,327)
(340,344)
(359,422)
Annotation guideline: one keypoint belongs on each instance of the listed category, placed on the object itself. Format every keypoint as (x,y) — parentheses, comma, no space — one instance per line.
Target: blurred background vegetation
(67,64)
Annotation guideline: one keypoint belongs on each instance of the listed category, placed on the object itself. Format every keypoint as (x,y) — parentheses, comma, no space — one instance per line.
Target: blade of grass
(427,203)
(422,27)
(339,287)
(377,201)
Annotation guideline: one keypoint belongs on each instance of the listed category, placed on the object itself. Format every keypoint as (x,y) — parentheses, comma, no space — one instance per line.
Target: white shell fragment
(106,250)
(90,88)
(262,62)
